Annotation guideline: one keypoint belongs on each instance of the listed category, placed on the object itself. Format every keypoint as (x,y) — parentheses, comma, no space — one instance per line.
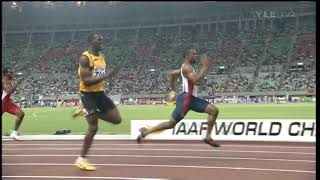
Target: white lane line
(162,165)
(152,149)
(150,156)
(188,145)
(81,177)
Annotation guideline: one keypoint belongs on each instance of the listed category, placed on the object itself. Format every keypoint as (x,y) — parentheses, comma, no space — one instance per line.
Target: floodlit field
(49,120)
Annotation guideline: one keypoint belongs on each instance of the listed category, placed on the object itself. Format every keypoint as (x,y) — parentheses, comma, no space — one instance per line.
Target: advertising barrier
(294,130)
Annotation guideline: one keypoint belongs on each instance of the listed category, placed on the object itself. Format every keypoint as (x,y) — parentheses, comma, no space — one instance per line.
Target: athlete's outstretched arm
(188,72)
(172,78)
(85,74)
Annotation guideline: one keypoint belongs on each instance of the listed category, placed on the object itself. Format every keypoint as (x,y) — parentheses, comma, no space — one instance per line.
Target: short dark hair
(91,36)
(5,70)
(186,52)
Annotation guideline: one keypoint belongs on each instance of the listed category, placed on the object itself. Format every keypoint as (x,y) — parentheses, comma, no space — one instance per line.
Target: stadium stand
(243,60)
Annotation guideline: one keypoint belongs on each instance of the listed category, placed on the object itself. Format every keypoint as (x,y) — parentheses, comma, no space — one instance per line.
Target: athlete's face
(97,41)
(10,73)
(192,55)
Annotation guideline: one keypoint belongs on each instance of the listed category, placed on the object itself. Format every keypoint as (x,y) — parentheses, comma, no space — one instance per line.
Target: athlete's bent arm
(8,87)
(172,78)
(85,74)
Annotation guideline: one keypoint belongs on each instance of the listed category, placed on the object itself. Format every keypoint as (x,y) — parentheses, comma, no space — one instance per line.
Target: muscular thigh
(105,104)
(89,102)
(198,104)
(12,108)
(107,109)
(177,113)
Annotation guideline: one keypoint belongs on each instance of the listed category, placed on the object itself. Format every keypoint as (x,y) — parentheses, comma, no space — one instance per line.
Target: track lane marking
(193,145)
(152,149)
(163,165)
(161,156)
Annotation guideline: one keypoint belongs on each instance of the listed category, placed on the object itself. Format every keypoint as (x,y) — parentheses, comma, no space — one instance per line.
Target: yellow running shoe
(79,112)
(85,166)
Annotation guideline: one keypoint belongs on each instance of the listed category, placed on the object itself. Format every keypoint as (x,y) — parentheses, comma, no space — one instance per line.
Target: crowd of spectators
(253,60)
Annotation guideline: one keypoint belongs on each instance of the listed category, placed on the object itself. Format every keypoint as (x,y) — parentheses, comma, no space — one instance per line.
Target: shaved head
(187,51)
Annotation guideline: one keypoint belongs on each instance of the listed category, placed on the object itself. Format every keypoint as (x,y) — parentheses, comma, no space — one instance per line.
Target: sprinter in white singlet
(188,99)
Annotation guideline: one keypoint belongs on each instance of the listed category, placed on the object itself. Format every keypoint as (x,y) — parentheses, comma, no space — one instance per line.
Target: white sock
(14,132)
(81,159)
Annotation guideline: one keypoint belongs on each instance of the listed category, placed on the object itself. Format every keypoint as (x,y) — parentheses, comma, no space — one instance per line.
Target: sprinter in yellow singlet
(92,73)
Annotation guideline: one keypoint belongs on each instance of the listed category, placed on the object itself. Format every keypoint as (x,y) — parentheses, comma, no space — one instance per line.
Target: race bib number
(99,72)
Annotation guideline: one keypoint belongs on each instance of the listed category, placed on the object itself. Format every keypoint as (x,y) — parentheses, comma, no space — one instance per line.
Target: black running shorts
(96,102)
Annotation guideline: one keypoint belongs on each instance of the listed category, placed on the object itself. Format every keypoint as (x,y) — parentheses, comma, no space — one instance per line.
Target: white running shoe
(14,135)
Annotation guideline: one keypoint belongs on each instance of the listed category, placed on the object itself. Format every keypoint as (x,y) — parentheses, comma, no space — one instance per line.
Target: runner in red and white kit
(8,87)
(188,99)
